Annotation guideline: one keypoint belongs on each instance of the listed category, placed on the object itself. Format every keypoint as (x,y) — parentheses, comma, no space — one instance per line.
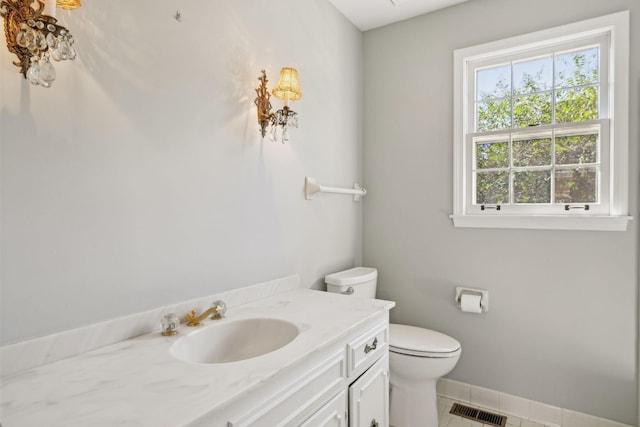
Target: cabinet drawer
(299,397)
(366,349)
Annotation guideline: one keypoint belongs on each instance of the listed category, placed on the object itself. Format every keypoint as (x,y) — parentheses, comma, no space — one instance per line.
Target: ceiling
(368,14)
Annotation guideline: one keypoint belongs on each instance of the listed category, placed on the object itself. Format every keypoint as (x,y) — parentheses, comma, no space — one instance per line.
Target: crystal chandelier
(287,89)
(35,37)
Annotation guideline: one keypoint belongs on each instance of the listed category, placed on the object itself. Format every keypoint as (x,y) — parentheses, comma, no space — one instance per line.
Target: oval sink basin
(231,341)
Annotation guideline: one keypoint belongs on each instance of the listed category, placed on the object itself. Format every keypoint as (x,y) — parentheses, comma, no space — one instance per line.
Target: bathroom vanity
(345,384)
(333,373)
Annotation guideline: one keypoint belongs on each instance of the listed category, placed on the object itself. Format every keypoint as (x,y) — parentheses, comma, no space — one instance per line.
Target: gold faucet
(216,312)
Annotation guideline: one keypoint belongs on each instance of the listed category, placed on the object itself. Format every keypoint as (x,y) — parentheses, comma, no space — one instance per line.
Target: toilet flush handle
(349,291)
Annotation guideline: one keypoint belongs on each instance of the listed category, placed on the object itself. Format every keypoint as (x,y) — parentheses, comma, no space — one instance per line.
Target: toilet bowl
(417,356)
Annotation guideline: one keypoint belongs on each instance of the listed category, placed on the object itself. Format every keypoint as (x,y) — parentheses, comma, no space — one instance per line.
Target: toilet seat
(421,342)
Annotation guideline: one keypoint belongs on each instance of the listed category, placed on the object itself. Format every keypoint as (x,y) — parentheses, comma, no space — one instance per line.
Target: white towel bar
(311,187)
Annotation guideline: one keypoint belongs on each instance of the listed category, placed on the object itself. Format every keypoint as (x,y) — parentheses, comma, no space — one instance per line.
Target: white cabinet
(345,384)
(302,395)
(369,397)
(333,414)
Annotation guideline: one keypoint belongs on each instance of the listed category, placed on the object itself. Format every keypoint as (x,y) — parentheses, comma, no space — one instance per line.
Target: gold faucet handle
(192,319)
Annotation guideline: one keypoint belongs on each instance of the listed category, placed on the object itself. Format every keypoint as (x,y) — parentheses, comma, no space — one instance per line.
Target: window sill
(543,222)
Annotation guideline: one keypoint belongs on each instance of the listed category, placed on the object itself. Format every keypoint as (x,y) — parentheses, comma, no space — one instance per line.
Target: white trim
(617,26)
(619,113)
(543,222)
(460,118)
(553,416)
(552,36)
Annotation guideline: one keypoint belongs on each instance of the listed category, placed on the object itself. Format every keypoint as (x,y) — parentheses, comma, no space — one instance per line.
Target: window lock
(568,208)
(483,207)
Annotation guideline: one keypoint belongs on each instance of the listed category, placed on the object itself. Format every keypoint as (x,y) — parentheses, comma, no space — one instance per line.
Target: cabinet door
(333,414)
(369,397)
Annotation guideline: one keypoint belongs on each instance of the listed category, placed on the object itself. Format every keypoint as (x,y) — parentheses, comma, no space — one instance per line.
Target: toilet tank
(359,282)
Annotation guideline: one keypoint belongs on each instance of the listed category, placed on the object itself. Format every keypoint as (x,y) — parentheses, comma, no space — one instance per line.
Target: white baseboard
(525,409)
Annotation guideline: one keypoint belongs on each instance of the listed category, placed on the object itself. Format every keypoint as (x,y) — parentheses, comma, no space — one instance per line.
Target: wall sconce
(35,37)
(287,89)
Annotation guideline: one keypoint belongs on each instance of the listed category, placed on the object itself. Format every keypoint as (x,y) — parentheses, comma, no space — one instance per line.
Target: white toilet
(417,356)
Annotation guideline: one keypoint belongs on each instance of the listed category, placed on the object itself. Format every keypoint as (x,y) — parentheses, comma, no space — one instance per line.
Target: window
(541,129)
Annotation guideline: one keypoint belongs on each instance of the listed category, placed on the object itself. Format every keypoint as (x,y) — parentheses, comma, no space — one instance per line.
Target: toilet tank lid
(352,276)
(421,340)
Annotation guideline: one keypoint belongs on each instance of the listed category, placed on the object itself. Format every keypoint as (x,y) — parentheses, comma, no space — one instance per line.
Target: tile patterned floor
(448,420)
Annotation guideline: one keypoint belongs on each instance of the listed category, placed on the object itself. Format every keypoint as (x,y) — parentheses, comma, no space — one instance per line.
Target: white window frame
(612,215)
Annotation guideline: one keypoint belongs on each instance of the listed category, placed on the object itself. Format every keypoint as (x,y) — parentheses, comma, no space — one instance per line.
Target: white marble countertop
(138,383)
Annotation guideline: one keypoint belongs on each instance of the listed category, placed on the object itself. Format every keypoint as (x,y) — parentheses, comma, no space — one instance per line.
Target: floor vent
(484,417)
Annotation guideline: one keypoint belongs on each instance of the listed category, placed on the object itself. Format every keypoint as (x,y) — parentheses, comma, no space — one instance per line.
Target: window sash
(602,169)
(601,41)
(601,164)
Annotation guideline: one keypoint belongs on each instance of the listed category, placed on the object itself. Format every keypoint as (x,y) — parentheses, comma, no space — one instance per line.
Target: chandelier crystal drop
(44,42)
(284,118)
(36,38)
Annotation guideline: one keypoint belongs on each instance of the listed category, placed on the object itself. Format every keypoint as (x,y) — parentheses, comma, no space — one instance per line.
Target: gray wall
(562,325)
(139,179)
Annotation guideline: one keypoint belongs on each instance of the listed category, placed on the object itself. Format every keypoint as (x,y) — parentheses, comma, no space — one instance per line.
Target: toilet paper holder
(483,293)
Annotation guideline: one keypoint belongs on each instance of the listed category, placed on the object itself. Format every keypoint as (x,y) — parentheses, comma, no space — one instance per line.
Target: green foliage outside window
(529,95)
